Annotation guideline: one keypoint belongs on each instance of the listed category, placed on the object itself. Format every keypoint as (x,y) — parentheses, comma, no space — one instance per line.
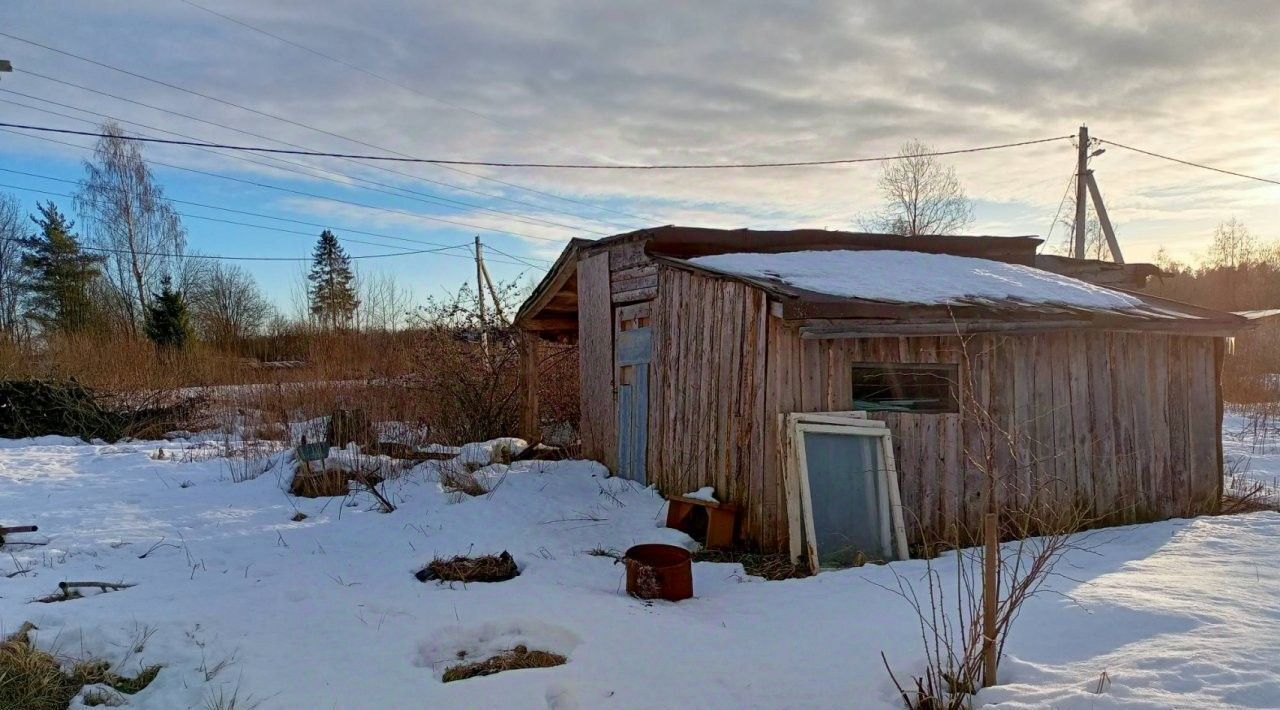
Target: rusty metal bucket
(656,571)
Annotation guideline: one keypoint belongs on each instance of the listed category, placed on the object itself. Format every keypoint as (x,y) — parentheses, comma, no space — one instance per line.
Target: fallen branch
(104,586)
(365,481)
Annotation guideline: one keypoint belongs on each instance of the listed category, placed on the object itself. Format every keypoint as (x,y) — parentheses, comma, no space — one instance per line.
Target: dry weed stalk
(1041,529)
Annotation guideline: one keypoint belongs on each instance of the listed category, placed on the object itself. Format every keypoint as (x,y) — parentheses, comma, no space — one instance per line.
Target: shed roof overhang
(551,311)
(821,315)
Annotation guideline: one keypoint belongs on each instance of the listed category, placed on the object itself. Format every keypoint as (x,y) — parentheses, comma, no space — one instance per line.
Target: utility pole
(1082,170)
(1086,182)
(5,66)
(484,324)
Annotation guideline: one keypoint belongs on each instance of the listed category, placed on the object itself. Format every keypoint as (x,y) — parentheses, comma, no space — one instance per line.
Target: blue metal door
(634,348)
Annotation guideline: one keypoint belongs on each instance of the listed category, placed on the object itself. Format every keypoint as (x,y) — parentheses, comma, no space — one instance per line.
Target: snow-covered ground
(1251,449)
(326,613)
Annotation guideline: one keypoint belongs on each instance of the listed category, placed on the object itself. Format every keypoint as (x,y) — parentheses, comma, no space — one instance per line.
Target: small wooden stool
(721,519)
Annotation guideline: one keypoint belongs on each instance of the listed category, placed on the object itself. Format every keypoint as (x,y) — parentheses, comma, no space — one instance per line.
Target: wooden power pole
(484,322)
(1085,182)
(1082,169)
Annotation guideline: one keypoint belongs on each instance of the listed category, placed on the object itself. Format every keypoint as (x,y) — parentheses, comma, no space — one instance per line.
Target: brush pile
(515,659)
(486,568)
(67,408)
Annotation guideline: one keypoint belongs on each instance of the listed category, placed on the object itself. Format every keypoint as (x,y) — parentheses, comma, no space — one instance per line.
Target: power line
(268,216)
(312,195)
(223,257)
(382,168)
(369,72)
(569,166)
(1070,181)
(299,124)
(1190,163)
(521,259)
(298,168)
(440,251)
(249,214)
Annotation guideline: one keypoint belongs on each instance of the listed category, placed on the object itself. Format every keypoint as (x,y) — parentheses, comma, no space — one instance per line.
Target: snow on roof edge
(918,278)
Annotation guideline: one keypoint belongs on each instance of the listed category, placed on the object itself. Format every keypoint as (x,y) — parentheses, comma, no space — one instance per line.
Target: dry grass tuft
(486,568)
(455,479)
(516,659)
(770,566)
(33,679)
(320,484)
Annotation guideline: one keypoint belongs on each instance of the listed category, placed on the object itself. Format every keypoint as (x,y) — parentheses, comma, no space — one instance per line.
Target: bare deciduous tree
(922,195)
(385,304)
(1095,242)
(228,305)
(12,231)
(123,209)
(1233,246)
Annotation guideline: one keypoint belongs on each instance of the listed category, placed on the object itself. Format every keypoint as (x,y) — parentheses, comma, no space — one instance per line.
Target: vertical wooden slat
(1203,433)
(1122,393)
(1064,455)
(975,406)
(1104,439)
(1082,431)
(1043,488)
(762,428)
(1136,364)
(595,357)
(529,357)
(1157,405)
(1179,446)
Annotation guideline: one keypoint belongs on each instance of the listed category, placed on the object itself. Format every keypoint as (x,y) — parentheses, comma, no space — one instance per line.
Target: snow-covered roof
(915,277)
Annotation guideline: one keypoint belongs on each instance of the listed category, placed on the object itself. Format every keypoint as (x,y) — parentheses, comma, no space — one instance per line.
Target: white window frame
(893,537)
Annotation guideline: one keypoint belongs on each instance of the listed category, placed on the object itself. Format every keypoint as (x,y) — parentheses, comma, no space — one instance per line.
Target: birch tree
(12,234)
(123,211)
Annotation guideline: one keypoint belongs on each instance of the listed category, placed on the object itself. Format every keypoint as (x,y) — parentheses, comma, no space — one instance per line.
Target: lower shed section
(1118,426)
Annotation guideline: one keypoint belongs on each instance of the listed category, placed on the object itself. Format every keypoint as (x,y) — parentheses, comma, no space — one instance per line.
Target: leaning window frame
(799,503)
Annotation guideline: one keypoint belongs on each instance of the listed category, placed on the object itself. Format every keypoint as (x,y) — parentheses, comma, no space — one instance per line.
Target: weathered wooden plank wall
(1122,427)
(595,361)
(706,402)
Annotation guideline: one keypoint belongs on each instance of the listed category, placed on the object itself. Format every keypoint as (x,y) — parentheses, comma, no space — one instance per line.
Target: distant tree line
(122,268)
(1238,271)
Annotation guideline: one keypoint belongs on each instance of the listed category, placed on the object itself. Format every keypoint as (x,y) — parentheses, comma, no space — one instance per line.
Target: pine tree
(59,274)
(332,291)
(168,325)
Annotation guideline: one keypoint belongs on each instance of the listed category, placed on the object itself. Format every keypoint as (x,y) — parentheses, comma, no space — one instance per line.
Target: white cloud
(714,82)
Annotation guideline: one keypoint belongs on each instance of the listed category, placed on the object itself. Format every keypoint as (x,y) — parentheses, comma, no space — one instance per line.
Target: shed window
(895,387)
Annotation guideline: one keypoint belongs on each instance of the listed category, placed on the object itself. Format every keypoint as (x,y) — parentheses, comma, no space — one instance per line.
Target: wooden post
(1101,209)
(493,293)
(1082,167)
(990,598)
(529,428)
(484,325)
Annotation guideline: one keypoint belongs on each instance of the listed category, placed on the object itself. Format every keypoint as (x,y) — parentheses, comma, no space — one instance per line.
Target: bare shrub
(247,460)
(950,613)
(1042,527)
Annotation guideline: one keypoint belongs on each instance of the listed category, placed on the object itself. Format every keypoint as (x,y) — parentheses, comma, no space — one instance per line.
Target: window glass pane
(905,388)
(844,492)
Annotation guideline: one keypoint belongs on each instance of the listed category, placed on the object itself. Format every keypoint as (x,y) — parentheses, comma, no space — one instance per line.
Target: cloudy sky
(623,82)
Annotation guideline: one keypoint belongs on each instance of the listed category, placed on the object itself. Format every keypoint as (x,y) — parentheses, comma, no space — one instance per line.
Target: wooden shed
(1005,379)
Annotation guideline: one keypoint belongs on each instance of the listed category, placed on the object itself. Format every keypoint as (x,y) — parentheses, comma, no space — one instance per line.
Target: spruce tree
(168,325)
(59,274)
(332,291)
